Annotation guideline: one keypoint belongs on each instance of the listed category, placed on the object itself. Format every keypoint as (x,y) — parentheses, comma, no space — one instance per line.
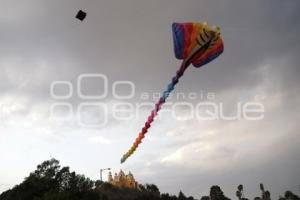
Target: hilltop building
(122,180)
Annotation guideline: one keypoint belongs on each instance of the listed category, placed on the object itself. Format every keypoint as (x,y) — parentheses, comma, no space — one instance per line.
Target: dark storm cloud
(130,42)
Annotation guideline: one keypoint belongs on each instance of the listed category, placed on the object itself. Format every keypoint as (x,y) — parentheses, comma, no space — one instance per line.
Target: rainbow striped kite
(194,43)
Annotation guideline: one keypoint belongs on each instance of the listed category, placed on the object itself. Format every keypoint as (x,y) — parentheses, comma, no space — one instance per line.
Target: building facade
(122,180)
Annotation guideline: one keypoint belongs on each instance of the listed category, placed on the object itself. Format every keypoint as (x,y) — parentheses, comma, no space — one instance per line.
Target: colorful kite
(194,43)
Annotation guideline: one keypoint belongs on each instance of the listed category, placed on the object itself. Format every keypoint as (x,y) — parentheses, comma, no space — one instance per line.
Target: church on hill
(123,180)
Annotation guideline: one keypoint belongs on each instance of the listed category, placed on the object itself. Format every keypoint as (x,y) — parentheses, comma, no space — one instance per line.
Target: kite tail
(154,112)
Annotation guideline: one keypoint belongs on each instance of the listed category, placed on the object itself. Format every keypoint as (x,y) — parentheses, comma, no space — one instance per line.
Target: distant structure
(121,180)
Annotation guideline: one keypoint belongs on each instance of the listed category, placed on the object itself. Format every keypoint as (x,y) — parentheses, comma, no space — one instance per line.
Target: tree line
(50,181)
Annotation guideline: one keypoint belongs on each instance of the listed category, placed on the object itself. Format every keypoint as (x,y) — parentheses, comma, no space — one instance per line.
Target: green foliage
(151,188)
(205,198)
(288,195)
(216,193)
(50,181)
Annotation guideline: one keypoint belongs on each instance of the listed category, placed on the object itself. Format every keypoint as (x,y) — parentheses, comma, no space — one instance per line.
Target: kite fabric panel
(190,36)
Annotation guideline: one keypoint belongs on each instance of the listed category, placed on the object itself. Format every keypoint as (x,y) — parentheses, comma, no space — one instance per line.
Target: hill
(50,181)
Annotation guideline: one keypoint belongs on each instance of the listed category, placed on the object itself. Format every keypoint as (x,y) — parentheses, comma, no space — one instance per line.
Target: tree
(239,192)
(205,198)
(265,195)
(48,169)
(181,196)
(51,182)
(290,196)
(217,194)
(152,189)
(168,197)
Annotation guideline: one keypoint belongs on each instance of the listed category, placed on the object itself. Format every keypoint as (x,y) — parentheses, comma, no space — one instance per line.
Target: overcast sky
(131,40)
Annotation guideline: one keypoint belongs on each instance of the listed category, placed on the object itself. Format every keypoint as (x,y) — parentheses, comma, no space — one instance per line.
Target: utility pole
(101,170)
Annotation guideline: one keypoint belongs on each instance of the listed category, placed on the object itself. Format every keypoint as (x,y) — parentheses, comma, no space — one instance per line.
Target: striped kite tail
(155,111)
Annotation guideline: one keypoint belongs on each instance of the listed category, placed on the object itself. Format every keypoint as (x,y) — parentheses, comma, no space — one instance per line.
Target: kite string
(158,105)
